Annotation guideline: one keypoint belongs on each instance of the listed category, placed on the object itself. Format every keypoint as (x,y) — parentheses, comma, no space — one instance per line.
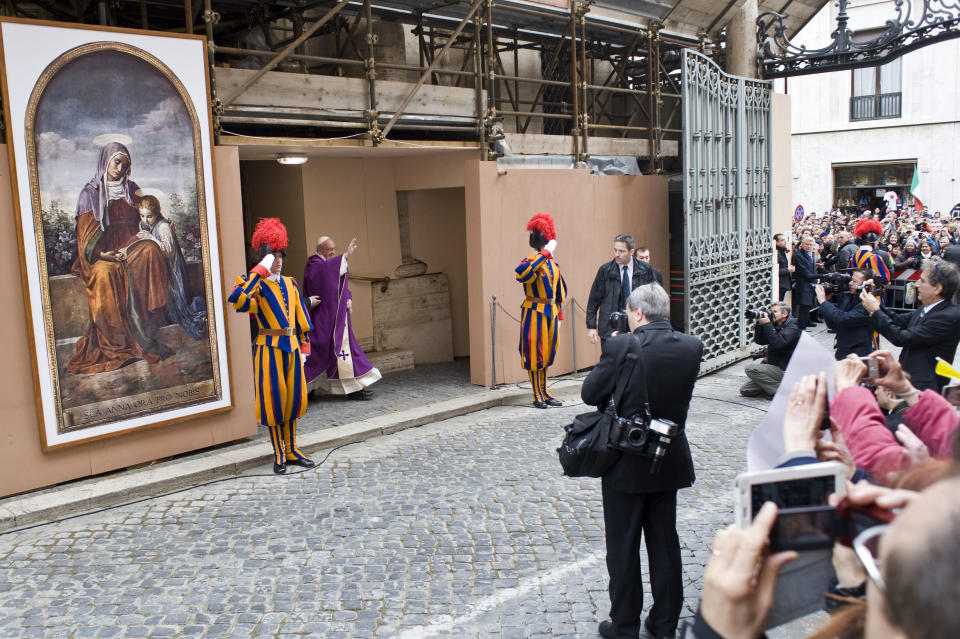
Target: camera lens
(636,436)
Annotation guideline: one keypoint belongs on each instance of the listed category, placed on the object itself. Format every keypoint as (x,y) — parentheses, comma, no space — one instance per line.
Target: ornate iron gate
(726,199)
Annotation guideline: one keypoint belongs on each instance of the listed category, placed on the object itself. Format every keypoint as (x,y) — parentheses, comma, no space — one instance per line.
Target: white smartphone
(796,486)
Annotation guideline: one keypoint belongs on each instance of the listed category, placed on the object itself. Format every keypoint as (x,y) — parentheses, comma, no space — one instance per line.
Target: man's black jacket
(952,255)
(923,340)
(671,361)
(852,323)
(605,293)
(844,253)
(783,266)
(804,275)
(780,340)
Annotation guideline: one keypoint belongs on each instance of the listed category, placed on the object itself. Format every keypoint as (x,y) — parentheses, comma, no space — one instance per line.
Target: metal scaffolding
(596,77)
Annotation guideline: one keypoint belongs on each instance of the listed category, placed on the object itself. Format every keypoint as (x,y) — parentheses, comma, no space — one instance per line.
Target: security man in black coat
(612,286)
(784,267)
(931,331)
(637,503)
(848,318)
(805,275)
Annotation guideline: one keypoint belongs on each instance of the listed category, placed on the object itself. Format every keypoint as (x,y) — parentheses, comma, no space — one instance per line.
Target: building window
(876,92)
(859,187)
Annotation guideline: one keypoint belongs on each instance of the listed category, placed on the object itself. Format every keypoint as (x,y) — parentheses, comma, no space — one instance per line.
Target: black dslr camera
(757,313)
(838,283)
(619,323)
(641,434)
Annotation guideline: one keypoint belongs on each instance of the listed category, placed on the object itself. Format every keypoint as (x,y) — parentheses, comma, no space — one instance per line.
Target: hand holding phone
(890,373)
(740,577)
(848,372)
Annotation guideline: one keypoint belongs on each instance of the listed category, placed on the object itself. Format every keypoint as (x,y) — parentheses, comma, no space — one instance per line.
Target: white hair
(652,300)
(323,238)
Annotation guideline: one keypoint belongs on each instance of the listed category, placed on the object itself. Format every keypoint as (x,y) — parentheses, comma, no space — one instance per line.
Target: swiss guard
(276,303)
(867,232)
(542,309)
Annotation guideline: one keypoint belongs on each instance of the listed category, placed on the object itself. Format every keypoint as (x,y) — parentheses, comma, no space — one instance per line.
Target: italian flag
(915,189)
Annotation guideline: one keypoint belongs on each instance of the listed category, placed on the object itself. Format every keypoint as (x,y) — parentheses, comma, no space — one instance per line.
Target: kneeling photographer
(659,366)
(780,333)
(846,315)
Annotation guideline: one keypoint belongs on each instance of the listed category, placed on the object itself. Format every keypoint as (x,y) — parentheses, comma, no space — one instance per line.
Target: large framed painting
(109,135)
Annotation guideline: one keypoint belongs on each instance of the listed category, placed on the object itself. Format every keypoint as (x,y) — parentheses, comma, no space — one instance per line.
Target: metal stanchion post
(573,330)
(493,342)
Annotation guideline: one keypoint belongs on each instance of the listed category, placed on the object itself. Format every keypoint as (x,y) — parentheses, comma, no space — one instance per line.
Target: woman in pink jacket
(930,419)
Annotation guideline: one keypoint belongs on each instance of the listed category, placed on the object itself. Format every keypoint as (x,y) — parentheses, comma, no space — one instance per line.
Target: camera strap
(632,358)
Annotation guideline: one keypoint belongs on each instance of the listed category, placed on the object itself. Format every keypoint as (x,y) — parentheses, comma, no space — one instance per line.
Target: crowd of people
(892,424)
(899,580)
(906,240)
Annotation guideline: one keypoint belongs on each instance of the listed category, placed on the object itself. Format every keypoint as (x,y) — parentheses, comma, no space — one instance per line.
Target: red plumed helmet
(543,222)
(270,230)
(867,226)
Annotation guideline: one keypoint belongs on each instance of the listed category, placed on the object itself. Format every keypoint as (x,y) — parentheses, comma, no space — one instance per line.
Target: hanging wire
(418,146)
(507,313)
(271,137)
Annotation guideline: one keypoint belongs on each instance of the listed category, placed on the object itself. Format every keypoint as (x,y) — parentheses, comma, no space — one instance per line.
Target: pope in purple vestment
(336,362)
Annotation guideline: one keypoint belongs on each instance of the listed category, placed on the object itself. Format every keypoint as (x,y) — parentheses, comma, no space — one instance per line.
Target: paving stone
(462,527)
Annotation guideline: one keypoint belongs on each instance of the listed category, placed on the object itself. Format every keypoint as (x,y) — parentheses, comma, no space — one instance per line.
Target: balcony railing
(875,107)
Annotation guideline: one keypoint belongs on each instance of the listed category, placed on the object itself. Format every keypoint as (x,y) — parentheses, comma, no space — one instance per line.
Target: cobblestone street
(464,528)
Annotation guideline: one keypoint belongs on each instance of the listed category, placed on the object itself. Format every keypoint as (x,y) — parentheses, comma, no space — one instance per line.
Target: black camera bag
(586,450)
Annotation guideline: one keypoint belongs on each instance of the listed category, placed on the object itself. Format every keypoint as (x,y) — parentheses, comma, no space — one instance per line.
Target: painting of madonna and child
(124,230)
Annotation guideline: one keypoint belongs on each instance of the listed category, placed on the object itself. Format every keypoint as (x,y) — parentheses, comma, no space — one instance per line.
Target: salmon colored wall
(589,211)
(346,198)
(438,230)
(781,204)
(271,189)
(23,466)
(354,198)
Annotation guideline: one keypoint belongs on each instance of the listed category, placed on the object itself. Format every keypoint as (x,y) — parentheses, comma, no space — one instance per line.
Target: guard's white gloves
(551,246)
(267,262)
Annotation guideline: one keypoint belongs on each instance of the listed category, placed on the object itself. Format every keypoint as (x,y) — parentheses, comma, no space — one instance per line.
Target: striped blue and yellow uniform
(865,258)
(281,389)
(545,292)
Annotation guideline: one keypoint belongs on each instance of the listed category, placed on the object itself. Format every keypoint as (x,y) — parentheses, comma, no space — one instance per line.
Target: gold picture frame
(122,290)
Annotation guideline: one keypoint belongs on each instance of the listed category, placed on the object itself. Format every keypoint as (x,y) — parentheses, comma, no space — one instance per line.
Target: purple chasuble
(330,356)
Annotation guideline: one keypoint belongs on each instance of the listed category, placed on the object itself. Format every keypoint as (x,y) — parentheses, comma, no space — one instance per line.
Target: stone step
(392,360)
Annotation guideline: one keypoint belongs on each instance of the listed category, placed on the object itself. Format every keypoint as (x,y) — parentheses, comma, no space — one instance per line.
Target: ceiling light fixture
(291,158)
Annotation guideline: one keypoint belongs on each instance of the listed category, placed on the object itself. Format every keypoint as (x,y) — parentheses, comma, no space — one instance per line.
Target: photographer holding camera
(636,501)
(780,333)
(847,316)
(927,333)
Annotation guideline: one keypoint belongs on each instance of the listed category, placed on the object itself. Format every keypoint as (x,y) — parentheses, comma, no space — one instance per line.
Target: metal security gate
(726,198)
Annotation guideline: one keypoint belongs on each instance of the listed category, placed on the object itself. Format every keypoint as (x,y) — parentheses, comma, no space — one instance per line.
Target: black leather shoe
(608,630)
(361,394)
(540,405)
(657,635)
(554,402)
(280,469)
(303,463)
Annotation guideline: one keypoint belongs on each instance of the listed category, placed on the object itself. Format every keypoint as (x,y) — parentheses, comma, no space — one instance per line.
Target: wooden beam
(426,74)
(287,51)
